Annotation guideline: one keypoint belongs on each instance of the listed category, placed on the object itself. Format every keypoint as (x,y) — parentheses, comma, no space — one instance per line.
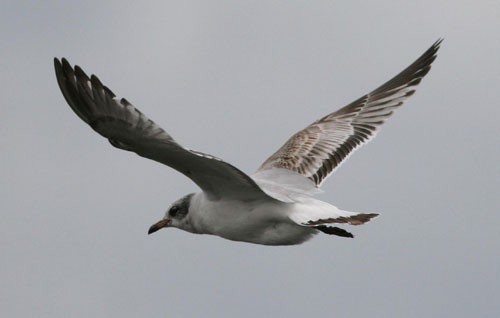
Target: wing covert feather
(317,150)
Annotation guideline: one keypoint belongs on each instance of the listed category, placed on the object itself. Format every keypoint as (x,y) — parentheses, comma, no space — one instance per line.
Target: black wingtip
(436,46)
(432,51)
(60,62)
(438,42)
(57,65)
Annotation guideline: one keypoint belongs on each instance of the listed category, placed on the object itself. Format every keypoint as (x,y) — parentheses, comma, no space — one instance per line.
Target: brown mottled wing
(127,128)
(317,150)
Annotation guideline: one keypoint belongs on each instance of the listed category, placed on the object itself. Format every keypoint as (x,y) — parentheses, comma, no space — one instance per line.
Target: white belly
(261,223)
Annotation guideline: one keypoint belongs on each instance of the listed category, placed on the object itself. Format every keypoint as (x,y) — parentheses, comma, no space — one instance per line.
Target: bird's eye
(174,210)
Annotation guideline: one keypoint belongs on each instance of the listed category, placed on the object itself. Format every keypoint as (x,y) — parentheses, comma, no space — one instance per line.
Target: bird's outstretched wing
(127,128)
(317,150)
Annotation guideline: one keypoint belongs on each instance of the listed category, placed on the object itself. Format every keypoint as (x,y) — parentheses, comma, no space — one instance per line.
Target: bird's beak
(159,225)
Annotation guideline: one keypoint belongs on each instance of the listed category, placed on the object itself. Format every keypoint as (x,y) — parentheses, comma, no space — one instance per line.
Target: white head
(176,216)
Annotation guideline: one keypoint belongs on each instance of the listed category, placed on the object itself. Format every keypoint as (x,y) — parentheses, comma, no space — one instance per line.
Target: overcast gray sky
(236,79)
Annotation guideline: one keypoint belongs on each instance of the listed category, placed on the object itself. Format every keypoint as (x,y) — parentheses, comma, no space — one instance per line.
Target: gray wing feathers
(127,128)
(321,147)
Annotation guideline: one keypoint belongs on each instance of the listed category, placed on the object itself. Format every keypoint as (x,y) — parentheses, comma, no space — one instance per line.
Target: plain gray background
(236,79)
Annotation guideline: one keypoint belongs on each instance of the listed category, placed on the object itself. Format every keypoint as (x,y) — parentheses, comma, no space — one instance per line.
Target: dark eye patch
(174,211)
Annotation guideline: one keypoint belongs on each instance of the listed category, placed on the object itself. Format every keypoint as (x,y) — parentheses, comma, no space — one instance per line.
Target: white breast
(262,222)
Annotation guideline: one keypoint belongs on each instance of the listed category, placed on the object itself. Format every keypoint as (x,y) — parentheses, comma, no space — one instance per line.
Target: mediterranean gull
(275,205)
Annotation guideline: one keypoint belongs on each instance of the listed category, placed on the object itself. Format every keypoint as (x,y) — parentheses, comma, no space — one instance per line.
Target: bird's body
(275,205)
(263,222)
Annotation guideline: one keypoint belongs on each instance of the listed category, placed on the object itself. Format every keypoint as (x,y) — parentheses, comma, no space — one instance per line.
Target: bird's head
(176,216)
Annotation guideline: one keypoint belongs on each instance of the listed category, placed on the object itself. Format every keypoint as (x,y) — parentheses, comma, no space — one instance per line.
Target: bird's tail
(322,216)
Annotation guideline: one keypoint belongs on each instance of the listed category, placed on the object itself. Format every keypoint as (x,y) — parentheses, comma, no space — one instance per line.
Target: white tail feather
(317,212)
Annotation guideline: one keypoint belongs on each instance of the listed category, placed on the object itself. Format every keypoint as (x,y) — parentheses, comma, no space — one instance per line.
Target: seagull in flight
(273,206)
